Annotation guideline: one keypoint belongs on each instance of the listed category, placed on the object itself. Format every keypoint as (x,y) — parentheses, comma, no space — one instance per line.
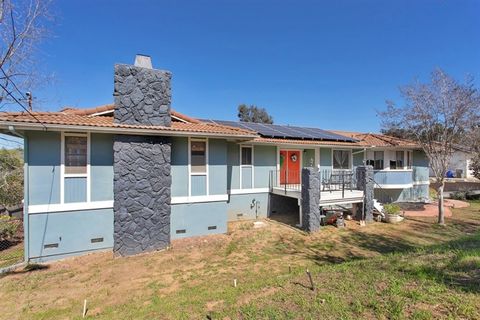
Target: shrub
(459,195)
(391,208)
(11,177)
(8,227)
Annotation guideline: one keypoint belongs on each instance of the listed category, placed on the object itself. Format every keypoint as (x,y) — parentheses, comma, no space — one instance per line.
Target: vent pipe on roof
(143,61)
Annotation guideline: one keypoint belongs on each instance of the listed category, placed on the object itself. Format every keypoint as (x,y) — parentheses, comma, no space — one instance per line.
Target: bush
(8,227)
(11,177)
(391,208)
(459,195)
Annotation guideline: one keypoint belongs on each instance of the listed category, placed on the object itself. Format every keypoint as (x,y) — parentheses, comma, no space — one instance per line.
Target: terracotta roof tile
(377,139)
(90,117)
(74,119)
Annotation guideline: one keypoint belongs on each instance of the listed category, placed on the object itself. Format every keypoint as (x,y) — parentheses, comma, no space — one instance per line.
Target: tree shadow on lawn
(457,264)
(31,267)
(348,247)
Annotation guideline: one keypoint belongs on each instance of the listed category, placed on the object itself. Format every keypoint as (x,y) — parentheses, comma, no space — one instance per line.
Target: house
(135,174)
(459,165)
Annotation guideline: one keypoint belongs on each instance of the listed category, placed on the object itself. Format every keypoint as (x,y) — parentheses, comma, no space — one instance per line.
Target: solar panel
(283,131)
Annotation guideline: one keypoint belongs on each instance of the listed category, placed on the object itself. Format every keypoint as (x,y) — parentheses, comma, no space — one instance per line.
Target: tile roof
(377,139)
(102,117)
(87,117)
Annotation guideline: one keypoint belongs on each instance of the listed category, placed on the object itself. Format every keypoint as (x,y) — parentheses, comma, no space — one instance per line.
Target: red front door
(289,167)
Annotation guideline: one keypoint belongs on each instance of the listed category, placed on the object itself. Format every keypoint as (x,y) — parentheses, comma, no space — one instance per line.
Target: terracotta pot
(393,218)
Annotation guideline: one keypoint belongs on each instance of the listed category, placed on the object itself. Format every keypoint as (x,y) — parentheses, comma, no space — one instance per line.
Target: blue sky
(328,64)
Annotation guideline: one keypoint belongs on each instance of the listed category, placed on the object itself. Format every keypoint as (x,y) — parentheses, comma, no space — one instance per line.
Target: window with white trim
(198,156)
(75,154)
(341,159)
(246,156)
(398,162)
(377,161)
(409,159)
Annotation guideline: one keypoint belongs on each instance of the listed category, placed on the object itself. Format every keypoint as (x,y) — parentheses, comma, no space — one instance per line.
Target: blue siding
(72,231)
(217,170)
(43,167)
(417,193)
(393,177)
(179,167)
(420,166)
(325,159)
(75,189)
(309,158)
(196,218)
(357,158)
(233,166)
(240,207)
(101,167)
(247,178)
(421,192)
(199,185)
(265,160)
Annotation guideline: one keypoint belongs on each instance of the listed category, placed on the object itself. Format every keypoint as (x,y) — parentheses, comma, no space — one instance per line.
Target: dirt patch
(211,263)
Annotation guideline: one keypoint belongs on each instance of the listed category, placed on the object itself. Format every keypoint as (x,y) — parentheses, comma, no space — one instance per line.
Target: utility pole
(29,100)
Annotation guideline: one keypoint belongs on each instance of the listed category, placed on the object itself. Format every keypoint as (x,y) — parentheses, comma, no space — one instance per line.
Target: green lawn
(415,270)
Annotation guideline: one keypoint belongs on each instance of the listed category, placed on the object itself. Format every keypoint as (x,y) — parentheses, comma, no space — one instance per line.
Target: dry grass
(412,270)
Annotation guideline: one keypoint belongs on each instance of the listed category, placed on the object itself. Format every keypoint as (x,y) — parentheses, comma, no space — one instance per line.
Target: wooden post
(311,280)
(84,308)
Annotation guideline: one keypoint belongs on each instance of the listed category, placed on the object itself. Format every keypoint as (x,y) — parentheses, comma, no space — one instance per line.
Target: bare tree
(439,115)
(23,24)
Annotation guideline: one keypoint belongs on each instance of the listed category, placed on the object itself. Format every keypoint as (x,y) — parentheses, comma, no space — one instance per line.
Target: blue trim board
(179,167)
(60,233)
(101,167)
(26,193)
(44,167)
(245,206)
(392,177)
(198,219)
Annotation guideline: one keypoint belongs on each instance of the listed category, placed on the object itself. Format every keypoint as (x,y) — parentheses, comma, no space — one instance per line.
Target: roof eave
(25,126)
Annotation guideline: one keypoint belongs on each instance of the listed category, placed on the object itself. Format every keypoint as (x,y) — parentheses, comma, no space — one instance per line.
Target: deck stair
(378,207)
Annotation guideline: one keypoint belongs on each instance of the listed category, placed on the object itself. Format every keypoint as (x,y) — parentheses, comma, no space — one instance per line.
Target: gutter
(14,126)
(12,130)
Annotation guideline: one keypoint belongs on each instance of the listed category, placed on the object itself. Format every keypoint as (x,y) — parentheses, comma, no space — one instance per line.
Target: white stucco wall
(460,160)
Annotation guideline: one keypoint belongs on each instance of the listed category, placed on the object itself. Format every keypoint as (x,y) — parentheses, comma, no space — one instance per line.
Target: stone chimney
(142,94)
(141,163)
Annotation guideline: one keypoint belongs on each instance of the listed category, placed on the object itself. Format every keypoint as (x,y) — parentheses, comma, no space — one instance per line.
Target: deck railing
(338,180)
(289,181)
(331,180)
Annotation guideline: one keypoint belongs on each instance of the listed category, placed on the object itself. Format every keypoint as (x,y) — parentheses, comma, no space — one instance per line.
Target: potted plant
(392,213)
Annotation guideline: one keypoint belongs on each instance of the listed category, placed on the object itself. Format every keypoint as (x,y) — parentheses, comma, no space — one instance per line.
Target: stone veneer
(311,199)
(141,193)
(141,166)
(142,96)
(365,182)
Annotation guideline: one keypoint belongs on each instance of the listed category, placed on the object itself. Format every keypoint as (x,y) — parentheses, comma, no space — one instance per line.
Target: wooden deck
(326,197)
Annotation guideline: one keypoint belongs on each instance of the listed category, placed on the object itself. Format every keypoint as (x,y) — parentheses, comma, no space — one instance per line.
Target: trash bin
(459,173)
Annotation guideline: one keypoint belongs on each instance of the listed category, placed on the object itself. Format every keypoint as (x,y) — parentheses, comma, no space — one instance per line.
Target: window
(341,159)
(75,155)
(246,156)
(378,160)
(398,162)
(198,155)
(409,160)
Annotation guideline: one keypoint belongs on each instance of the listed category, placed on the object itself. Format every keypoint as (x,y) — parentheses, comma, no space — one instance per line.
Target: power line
(10,140)
(21,105)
